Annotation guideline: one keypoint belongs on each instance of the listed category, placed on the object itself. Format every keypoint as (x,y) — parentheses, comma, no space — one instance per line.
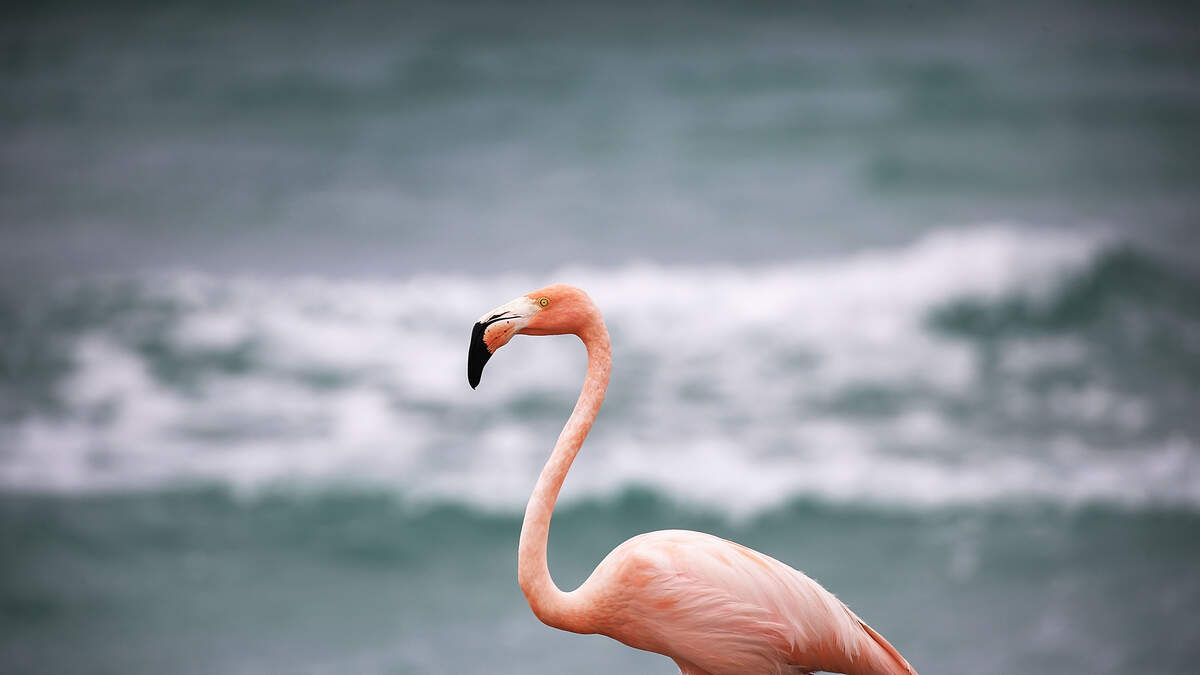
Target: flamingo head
(554,310)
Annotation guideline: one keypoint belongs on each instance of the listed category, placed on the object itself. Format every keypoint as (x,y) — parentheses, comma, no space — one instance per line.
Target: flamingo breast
(720,606)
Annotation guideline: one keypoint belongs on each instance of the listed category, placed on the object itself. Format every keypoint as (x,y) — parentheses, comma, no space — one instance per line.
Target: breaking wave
(971,366)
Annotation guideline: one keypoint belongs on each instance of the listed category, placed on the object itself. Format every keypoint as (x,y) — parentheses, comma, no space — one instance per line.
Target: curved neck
(550,604)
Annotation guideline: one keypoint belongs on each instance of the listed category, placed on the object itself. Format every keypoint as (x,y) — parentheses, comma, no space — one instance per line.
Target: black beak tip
(478,356)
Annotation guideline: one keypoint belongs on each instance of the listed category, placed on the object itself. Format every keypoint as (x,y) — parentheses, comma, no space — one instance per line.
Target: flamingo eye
(543,301)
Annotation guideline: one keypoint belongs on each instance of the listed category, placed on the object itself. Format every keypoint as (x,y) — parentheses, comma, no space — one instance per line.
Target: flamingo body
(720,608)
(715,607)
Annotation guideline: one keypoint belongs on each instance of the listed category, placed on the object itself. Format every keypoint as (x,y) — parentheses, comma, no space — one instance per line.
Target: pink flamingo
(715,607)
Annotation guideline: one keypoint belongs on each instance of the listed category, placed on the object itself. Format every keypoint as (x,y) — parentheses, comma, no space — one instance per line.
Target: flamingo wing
(721,608)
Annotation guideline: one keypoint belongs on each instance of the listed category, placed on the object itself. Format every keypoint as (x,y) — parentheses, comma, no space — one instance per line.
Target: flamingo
(713,606)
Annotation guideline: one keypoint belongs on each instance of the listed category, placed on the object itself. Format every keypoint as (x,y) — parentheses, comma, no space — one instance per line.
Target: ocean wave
(987,364)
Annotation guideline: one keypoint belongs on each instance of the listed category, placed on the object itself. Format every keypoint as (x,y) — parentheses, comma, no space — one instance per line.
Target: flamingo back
(721,608)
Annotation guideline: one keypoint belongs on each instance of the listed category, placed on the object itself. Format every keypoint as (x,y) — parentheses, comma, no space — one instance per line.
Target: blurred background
(903,294)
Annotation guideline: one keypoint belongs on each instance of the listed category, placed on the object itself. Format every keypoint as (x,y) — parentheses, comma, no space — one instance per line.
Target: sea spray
(973,366)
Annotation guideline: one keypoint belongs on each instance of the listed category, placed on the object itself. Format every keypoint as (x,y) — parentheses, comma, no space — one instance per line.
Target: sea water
(904,296)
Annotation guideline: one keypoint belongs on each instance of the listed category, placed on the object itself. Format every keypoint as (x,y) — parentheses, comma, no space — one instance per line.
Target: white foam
(730,388)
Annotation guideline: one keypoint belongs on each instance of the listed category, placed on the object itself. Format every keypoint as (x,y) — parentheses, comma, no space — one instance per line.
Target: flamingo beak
(493,331)
(478,357)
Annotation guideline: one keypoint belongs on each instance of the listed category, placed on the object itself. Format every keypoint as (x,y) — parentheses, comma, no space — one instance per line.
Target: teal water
(386,138)
(905,295)
(202,582)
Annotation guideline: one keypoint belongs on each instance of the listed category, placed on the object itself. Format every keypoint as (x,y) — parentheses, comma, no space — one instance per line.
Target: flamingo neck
(551,605)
